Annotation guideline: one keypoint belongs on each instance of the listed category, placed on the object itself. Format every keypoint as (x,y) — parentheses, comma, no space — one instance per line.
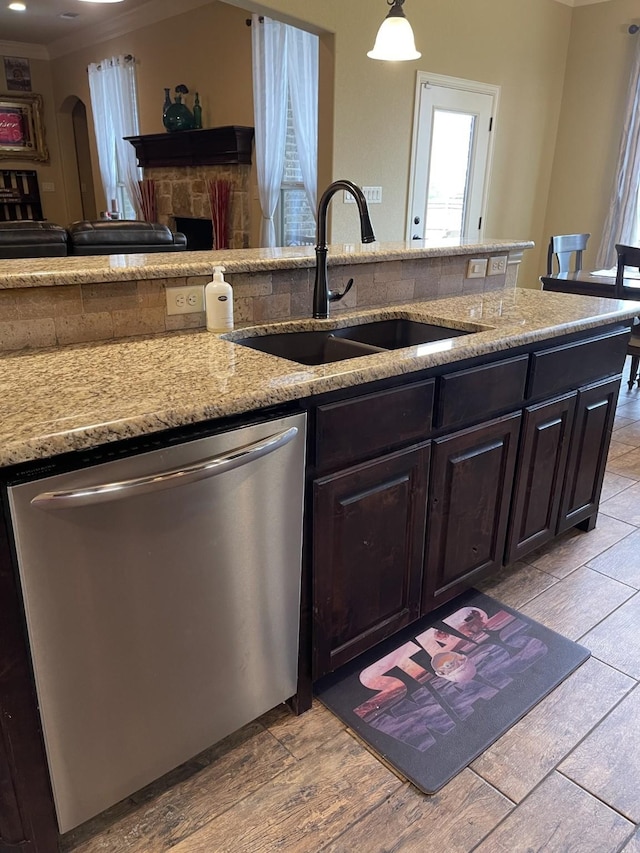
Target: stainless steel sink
(323,347)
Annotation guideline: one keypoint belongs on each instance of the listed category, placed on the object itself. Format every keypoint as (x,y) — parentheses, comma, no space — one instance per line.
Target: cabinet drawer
(568,366)
(352,430)
(481,392)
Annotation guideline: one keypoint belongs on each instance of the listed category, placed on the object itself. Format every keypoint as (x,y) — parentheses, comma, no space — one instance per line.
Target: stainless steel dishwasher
(162,597)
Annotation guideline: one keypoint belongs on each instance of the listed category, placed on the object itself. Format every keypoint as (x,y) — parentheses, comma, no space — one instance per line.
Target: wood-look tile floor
(565,779)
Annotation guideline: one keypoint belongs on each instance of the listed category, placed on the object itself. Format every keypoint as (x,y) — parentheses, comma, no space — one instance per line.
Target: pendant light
(395,42)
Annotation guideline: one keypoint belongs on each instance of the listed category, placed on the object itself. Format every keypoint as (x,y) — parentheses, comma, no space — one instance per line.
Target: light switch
(48,187)
(477,268)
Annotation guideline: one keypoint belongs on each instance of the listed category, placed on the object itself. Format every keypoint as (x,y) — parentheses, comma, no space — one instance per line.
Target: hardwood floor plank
(620,422)
(304,734)
(578,602)
(240,765)
(624,506)
(616,640)
(607,762)
(575,548)
(621,561)
(613,484)
(618,448)
(302,808)
(559,817)
(517,584)
(525,754)
(628,465)
(453,820)
(632,846)
(629,433)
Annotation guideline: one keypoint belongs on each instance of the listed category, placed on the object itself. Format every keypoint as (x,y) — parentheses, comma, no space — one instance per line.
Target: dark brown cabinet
(593,422)
(27,819)
(469,496)
(518,450)
(367,557)
(546,431)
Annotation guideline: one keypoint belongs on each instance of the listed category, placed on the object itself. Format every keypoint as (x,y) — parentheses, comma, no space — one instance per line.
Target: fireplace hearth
(183,163)
(199,232)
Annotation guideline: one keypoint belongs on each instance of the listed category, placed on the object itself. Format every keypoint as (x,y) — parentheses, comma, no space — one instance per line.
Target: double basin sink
(323,347)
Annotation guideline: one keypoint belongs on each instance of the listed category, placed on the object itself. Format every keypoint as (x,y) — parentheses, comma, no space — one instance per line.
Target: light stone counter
(50,272)
(80,396)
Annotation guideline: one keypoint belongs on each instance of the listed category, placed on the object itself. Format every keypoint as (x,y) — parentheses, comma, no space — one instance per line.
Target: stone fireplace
(182,163)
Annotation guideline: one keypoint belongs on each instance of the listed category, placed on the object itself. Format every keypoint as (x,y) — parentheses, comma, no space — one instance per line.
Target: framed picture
(17,72)
(21,128)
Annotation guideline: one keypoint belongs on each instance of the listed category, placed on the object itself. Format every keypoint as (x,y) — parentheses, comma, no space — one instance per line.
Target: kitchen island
(531,364)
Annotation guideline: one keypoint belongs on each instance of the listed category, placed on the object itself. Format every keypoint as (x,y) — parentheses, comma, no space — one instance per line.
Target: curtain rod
(248,20)
(633,29)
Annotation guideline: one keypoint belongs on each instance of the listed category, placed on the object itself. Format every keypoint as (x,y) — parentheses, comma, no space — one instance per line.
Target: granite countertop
(71,398)
(41,272)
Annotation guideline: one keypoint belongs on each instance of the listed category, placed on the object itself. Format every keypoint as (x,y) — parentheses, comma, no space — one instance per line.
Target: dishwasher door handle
(104,492)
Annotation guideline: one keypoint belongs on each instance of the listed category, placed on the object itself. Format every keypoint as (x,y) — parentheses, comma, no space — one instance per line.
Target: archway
(76,160)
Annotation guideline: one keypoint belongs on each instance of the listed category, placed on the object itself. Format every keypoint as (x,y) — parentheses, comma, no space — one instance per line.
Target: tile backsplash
(77,313)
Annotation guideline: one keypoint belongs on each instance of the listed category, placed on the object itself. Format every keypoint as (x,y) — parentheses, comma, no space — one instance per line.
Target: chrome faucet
(322,296)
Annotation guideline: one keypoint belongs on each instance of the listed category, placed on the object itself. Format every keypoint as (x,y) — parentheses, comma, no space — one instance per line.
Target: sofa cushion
(122,236)
(27,238)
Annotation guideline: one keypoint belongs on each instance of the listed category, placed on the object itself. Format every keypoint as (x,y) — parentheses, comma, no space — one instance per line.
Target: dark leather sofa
(115,237)
(30,239)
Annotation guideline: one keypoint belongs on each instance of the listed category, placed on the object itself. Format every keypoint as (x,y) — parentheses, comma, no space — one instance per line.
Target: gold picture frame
(21,128)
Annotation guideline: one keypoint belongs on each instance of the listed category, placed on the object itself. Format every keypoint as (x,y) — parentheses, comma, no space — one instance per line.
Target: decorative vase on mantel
(197,113)
(167,103)
(178,116)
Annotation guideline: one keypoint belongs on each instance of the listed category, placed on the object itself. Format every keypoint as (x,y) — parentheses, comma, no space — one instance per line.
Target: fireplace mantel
(211,146)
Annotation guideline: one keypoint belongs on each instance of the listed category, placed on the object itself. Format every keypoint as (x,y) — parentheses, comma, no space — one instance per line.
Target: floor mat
(434,696)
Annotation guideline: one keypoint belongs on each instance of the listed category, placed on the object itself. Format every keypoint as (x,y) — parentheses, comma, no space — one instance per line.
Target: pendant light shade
(395,41)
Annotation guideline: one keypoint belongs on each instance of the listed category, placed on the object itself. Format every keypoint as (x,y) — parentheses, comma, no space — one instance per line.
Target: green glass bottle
(197,113)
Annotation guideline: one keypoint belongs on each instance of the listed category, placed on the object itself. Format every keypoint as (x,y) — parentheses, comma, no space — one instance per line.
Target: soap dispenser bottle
(218,302)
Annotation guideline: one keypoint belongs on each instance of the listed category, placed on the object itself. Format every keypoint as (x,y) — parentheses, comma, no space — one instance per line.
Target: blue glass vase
(178,116)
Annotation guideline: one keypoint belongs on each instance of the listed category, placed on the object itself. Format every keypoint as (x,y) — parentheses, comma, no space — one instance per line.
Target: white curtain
(268,42)
(302,65)
(114,103)
(621,222)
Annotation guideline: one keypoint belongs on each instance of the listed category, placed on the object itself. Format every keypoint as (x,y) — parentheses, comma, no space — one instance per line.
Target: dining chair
(629,256)
(563,247)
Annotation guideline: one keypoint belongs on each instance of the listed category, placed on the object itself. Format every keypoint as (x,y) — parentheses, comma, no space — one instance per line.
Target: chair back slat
(563,247)
(628,256)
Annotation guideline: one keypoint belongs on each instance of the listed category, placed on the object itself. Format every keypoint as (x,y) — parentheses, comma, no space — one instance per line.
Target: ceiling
(42,24)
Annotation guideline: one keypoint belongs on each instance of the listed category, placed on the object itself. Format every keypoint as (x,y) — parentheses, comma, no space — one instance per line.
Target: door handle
(104,492)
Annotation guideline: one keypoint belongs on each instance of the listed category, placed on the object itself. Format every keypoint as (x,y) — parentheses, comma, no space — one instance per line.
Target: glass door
(450,161)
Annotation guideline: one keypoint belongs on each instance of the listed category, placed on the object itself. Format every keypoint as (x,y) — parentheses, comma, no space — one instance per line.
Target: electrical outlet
(497,265)
(373,195)
(185,300)
(477,268)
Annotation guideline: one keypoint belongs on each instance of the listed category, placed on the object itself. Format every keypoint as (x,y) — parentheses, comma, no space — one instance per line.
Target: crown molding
(120,25)
(574,3)
(24,49)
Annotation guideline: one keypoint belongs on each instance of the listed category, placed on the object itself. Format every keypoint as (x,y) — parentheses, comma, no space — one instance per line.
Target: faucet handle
(334,296)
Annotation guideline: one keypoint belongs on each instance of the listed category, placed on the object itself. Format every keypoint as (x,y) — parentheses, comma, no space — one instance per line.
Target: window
(114,104)
(295,221)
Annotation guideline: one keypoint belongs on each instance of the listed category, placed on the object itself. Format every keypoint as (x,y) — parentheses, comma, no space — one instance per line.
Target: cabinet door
(27,817)
(546,431)
(590,437)
(469,496)
(367,554)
